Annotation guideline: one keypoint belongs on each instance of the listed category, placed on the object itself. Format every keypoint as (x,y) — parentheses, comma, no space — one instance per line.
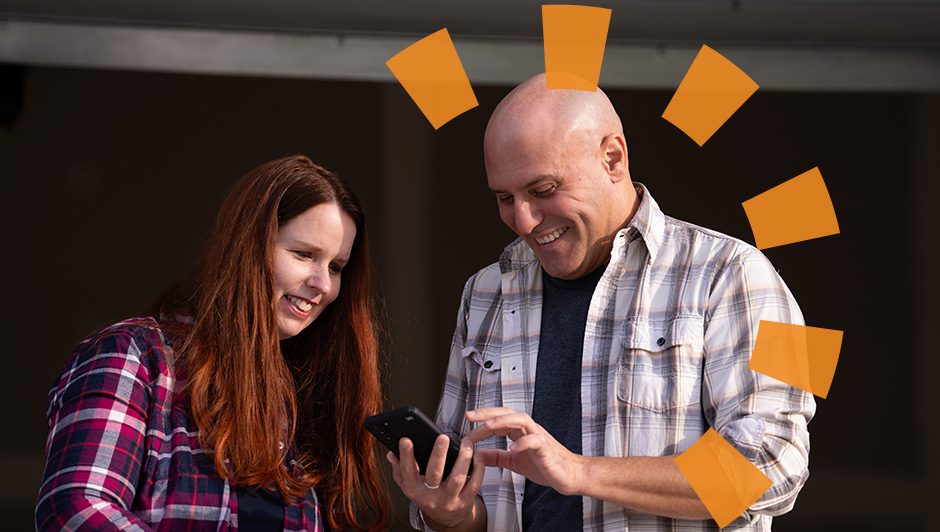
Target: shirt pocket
(660,365)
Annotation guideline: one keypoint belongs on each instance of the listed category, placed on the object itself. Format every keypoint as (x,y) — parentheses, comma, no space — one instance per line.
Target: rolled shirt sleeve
(763,418)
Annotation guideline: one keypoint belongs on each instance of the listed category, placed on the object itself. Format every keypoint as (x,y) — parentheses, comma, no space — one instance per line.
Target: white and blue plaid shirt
(669,334)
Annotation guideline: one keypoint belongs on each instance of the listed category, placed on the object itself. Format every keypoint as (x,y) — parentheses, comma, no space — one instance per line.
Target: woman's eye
(302,254)
(336,268)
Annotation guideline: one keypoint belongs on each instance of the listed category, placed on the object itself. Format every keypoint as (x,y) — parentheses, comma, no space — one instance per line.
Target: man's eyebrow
(530,184)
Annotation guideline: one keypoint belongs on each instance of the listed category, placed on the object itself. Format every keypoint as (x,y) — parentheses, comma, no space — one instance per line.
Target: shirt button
(661,342)
(488,364)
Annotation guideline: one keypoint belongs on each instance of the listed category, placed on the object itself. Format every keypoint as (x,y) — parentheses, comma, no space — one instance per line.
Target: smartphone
(411,422)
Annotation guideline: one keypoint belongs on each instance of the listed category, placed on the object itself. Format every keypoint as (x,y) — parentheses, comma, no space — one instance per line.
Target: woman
(238,401)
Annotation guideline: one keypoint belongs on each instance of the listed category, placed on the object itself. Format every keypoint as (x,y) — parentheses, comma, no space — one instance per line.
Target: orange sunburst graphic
(712,90)
(803,357)
(725,481)
(431,72)
(574,37)
(797,210)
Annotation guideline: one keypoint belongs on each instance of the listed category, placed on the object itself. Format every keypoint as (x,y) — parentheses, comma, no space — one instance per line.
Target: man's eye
(503,199)
(545,191)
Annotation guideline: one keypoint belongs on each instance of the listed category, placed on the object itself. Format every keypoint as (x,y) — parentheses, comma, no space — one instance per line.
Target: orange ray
(431,73)
(712,90)
(574,37)
(804,357)
(725,481)
(799,209)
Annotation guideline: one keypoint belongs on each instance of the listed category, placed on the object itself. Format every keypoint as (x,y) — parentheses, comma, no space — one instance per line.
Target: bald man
(605,342)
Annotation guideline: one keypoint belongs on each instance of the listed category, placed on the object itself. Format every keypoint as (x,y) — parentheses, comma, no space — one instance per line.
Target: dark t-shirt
(557,403)
(260,510)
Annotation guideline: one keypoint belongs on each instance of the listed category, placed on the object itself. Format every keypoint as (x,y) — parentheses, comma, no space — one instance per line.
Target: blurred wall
(109,180)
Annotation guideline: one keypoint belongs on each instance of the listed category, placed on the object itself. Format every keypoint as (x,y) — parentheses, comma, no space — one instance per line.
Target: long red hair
(247,390)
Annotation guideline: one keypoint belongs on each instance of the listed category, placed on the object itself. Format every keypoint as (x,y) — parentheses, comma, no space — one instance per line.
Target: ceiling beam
(487,62)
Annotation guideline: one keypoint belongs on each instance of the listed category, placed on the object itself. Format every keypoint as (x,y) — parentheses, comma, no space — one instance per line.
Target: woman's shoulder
(132,350)
(133,338)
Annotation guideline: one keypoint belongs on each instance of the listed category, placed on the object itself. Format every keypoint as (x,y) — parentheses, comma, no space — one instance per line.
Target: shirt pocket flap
(656,337)
(488,358)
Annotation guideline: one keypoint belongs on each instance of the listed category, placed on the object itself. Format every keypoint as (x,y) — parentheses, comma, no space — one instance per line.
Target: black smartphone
(411,422)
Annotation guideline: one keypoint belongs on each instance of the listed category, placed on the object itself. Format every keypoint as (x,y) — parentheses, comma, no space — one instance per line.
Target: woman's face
(309,255)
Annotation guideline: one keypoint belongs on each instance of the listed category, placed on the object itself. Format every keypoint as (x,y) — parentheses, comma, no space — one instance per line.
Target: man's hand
(534,453)
(451,504)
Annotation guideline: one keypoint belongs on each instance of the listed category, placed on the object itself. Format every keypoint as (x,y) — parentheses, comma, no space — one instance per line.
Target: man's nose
(527,218)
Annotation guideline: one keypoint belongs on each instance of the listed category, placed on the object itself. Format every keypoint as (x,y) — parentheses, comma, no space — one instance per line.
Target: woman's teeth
(550,238)
(301,304)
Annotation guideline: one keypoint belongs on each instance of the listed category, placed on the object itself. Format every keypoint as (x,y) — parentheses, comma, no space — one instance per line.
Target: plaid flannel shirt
(122,451)
(669,335)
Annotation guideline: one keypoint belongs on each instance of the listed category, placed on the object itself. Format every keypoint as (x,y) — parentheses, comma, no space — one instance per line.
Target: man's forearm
(652,485)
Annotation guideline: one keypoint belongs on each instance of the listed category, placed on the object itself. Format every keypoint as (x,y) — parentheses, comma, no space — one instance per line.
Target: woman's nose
(319,279)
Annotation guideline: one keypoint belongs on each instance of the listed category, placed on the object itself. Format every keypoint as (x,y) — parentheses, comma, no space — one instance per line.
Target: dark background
(109,180)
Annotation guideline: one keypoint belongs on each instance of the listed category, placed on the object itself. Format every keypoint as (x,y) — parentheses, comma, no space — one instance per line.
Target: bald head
(557,162)
(531,110)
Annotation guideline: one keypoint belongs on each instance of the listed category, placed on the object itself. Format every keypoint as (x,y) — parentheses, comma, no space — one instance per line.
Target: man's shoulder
(671,240)
(516,257)
(710,253)
(698,239)
(486,281)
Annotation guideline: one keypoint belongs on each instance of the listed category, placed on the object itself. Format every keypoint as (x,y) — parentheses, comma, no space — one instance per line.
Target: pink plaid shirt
(123,452)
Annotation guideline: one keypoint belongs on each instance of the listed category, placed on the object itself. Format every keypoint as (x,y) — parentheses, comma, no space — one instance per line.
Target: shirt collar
(516,256)
(649,222)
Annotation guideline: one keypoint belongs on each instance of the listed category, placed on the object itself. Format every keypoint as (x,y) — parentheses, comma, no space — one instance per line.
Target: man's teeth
(301,304)
(549,238)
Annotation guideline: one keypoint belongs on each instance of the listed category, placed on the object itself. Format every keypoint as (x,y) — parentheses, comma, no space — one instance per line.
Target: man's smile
(551,237)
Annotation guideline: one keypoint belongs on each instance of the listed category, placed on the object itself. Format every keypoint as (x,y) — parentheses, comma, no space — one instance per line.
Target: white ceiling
(798,45)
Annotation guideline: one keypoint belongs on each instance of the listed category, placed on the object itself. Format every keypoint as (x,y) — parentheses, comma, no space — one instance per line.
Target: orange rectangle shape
(574,39)
(712,90)
(725,481)
(796,210)
(803,357)
(431,73)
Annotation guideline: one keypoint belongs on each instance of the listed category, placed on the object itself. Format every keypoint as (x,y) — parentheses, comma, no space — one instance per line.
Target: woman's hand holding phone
(449,502)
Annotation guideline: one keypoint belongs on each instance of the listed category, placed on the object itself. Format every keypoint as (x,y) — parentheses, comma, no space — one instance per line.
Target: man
(605,342)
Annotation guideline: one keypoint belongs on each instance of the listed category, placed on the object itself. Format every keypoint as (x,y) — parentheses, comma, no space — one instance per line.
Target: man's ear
(614,149)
